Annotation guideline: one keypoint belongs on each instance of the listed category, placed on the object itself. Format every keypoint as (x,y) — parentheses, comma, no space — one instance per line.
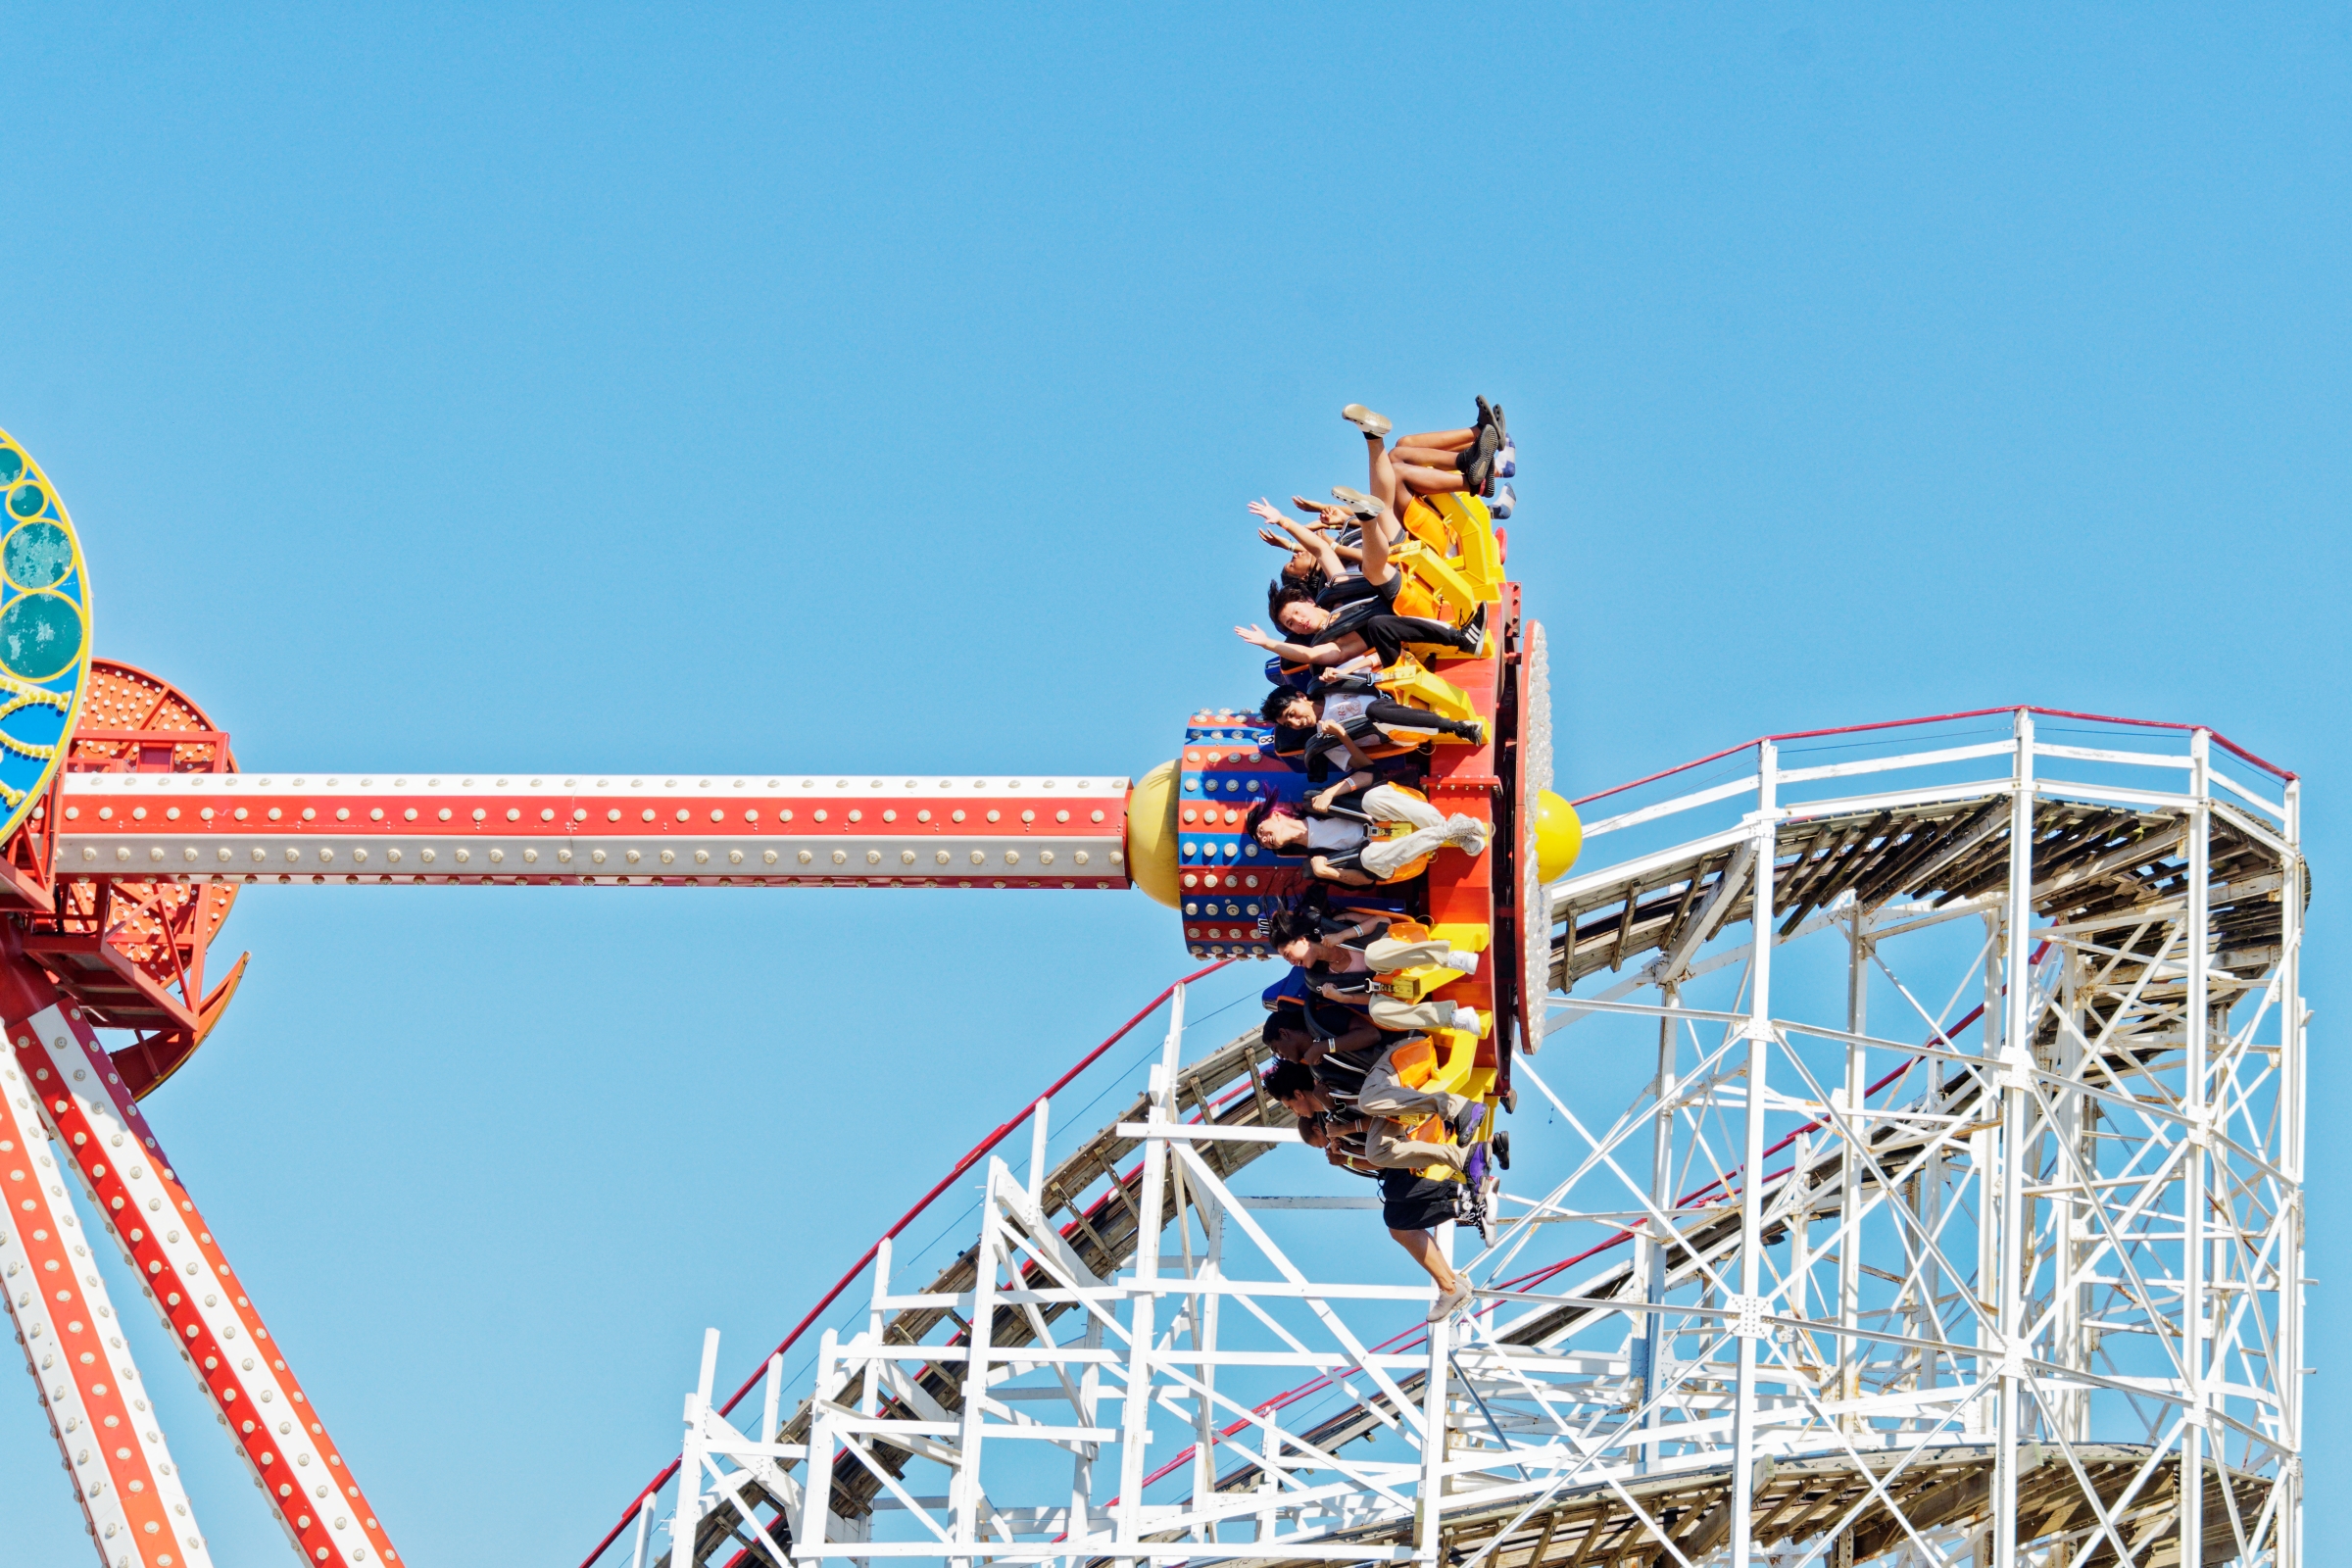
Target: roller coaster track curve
(1898,1423)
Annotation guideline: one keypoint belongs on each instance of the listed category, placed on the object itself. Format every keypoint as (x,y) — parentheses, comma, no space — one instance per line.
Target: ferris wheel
(1952,1210)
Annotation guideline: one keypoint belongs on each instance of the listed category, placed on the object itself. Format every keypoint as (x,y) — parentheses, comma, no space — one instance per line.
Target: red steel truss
(94,1121)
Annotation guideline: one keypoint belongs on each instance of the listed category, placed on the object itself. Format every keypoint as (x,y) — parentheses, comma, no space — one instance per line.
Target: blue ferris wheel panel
(45,633)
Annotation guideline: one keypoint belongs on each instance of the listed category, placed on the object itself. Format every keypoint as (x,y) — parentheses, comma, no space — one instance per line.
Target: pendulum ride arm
(584,829)
(97,1122)
(114,1448)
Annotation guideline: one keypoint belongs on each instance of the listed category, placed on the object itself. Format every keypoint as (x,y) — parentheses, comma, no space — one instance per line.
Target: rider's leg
(1435,449)
(1390,1146)
(1384,1093)
(1432,829)
(1423,1245)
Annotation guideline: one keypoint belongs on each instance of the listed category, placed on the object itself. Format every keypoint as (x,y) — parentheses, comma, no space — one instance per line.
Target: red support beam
(96,1125)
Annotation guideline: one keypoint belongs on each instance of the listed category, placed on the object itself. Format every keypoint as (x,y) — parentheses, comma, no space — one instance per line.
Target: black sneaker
(1501,429)
(1486,414)
(1511,1101)
(1481,1210)
(1474,631)
(1476,464)
(1502,1148)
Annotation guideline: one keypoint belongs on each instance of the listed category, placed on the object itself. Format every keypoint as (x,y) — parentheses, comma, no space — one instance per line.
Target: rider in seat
(1363,834)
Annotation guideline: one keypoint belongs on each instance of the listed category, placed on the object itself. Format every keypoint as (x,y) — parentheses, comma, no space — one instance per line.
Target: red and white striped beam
(609,829)
(112,1442)
(218,1331)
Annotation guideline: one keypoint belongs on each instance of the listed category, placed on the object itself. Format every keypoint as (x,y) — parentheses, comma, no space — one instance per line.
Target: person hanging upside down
(1351,713)
(1289,1034)
(1325,637)
(1342,1141)
(1344,959)
(1353,615)
(1340,1075)
(1389,1141)
(1343,557)
(1413,1205)
(1327,555)
(1361,833)
(1353,941)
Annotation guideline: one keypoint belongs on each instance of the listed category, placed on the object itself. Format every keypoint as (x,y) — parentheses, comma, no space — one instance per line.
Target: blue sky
(586,388)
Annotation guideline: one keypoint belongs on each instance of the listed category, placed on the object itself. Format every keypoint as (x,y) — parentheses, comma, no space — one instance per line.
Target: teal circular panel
(38,554)
(40,636)
(44,634)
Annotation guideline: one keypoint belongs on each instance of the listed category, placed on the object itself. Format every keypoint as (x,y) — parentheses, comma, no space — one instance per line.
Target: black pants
(1325,755)
(1387,635)
(1395,715)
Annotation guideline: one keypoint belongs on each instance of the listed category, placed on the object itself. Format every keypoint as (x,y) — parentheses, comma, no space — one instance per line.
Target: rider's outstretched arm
(1288,653)
(1306,539)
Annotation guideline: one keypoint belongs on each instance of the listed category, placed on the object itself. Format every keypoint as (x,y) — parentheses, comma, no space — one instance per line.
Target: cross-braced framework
(1957,1222)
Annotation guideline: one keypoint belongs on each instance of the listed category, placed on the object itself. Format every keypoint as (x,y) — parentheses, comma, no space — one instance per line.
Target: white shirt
(1334,833)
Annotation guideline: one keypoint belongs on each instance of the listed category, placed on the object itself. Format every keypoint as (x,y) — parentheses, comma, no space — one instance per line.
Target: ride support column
(97,1124)
(99,1411)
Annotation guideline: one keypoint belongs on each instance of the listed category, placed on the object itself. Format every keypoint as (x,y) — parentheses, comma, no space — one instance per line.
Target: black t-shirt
(1321,1018)
(1354,590)
(1343,1072)
(1354,613)
(1327,1019)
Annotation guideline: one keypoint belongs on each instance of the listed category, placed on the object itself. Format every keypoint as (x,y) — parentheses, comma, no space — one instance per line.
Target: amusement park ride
(2013,1276)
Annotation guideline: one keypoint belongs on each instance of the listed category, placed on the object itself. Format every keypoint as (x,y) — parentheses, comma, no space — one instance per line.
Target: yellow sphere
(1560,836)
(1152,834)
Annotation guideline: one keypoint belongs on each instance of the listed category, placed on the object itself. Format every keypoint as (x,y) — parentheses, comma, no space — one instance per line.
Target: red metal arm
(194,1290)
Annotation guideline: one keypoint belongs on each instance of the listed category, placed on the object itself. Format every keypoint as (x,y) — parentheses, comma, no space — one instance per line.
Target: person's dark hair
(1287,1078)
(1264,809)
(1286,1040)
(1278,700)
(1280,594)
(1288,926)
(1311,579)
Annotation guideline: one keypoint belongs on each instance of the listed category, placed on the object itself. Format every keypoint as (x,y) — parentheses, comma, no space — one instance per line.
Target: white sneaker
(1451,1302)
(1467,1020)
(1364,419)
(1467,834)
(1468,962)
